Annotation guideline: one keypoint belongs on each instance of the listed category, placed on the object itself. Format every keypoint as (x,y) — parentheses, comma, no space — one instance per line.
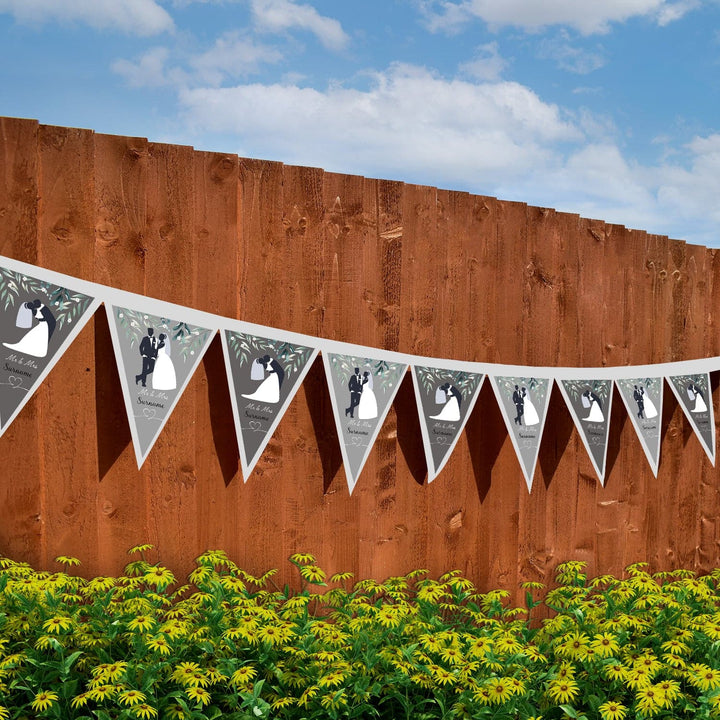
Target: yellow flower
(282,702)
(131,697)
(100,692)
(605,645)
(612,710)
(675,647)
(638,677)
(144,711)
(562,691)
(67,560)
(159,644)
(159,577)
(332,679)
(334,701)
(4,713)
(508,644)
(57,623)
(243,675)
(442,676)
(500,691)
(184,671)
(142,623)
(479,647)
(705,678)
(80,700)
(44,700)
(313,574)
(273,634)
(573,646)
(200,695)
(670,690)
(451,656)
(303,559)
(140,549)
(649,701)
(175,712)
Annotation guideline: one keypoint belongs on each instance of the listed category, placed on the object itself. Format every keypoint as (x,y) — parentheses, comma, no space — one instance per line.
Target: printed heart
(355,440)
(149,413)
(14,381)
(254,424)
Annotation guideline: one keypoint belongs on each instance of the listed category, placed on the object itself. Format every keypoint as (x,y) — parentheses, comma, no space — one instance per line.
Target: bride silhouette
(696,394)
(367,408)
(35,341)
(450,396)
(531,415)
(273,374)
(163,377)
(592,401)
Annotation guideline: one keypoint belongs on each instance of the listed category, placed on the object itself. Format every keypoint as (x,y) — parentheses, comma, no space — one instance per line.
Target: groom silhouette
(149,353)
(355,386)
(519,402)
(639,398)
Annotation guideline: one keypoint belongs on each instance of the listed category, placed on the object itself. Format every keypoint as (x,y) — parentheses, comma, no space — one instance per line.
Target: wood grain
(374,262)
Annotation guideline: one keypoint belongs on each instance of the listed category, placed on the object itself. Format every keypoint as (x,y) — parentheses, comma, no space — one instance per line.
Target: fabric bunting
(590,403)
(362,389)
(38,322)
(158,346)
(693,395)
(264,374)
(156,358)
(524,402)
(643,399)
(445,399)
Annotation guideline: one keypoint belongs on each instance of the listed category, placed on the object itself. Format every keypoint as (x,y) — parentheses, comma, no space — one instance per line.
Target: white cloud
(149,71)
(531,15)
(487,63)
(570,57)
(281,15)
(410,122)
(496,138)
(231,56)
(141,17)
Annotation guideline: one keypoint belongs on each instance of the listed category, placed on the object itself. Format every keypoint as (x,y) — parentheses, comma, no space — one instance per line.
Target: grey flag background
(21,370)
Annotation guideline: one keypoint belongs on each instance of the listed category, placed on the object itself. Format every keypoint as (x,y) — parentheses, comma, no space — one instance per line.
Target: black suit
(519,402)
(355,386)
(149,352)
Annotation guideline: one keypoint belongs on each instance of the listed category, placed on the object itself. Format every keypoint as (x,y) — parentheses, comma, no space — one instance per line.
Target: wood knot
(166,231)
(456,521)
(106,232)
(62,234)
(223,168)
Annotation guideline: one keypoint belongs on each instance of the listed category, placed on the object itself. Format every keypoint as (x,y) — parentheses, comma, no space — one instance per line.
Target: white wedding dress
(595,414)
(368,409)
(650,409)
(700,405)
(163,376)
(450,411)
(269,389)
(35,341)
(531,416)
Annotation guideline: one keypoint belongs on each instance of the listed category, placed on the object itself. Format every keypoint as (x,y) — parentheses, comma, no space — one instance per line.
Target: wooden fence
(374,262)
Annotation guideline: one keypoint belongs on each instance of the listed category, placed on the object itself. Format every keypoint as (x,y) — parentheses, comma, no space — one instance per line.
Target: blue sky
(607,109)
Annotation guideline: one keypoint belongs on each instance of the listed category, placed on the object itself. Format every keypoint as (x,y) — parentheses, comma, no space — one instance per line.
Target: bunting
(38,322)
(524,402)
(159,345)
(264,374)
(445,399)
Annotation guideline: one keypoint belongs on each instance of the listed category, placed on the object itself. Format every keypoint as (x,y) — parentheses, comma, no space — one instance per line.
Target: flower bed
(234,646)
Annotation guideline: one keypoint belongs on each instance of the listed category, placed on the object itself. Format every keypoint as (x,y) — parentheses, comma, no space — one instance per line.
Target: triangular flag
(643,399)
(693,394)
(156,358)
(264,374)
(524,402)
(445,399)
(362,390)
(590,402)
(38,322)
